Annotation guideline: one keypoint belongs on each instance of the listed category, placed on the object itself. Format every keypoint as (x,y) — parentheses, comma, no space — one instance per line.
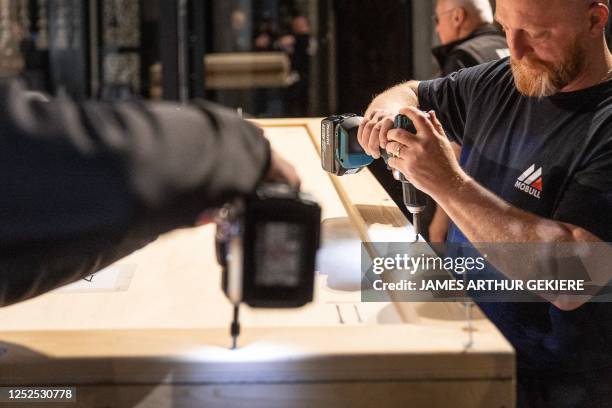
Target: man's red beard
(537,78)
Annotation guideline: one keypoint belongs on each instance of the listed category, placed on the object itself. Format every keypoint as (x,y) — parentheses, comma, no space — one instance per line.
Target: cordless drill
(342,154)
(267,244)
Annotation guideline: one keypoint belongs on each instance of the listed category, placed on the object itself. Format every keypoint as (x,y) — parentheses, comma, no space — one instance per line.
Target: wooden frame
(164,341)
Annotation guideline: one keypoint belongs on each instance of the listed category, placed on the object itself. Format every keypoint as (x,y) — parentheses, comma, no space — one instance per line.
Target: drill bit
(235,328)
(414,201)
(416,223)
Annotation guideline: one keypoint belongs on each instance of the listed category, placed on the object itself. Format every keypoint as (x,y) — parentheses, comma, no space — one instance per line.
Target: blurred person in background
(467,35)
(299,45)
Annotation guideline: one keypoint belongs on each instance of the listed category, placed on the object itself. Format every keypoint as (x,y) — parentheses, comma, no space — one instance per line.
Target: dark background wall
(373,49)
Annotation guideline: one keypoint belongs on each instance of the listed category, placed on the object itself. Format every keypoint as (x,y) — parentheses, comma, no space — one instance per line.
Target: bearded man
(535,166)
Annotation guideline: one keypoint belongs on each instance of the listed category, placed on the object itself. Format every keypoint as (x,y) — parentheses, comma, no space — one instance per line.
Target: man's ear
(599,14)
(459,16)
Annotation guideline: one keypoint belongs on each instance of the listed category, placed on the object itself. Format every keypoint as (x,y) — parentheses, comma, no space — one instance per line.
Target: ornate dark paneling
(68,46)
(14,25)
(120,45)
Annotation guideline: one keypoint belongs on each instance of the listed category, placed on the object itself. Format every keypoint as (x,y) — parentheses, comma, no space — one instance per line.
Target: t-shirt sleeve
(587,202)
(450,97)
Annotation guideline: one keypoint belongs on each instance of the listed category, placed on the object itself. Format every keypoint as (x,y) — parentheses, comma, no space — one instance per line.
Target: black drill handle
(412,196)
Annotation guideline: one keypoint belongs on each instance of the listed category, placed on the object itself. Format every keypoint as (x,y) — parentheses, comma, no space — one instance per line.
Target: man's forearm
(486,219)
(103,164)
(85,184)
(395,98)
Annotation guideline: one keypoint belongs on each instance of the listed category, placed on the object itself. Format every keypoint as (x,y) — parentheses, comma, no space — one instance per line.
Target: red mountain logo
(531,181)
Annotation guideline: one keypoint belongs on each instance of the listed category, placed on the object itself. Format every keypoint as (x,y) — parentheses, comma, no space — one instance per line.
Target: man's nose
(518,44)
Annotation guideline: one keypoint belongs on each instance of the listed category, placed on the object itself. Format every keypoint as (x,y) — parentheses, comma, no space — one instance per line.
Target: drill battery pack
(340,150)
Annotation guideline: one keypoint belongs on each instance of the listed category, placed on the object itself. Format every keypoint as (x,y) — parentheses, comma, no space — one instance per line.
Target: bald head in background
(457,19)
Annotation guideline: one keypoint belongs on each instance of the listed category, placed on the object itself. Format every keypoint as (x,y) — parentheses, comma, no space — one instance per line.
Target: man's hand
(282,171)
(426,158)
(378,119)
(372,133)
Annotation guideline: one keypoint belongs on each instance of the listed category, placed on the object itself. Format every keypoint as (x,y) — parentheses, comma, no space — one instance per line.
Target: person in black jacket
(467,34)
(83,185)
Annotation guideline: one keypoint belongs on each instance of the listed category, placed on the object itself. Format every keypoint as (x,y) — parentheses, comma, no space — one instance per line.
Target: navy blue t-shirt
(552,157)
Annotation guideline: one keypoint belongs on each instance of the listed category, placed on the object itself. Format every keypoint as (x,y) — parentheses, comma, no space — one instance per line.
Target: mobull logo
(530,181)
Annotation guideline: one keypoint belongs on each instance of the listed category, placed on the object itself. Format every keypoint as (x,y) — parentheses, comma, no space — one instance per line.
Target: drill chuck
(414,200)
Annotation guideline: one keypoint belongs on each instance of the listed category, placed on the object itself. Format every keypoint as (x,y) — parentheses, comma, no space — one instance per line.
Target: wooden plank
(422,394)
(357,352)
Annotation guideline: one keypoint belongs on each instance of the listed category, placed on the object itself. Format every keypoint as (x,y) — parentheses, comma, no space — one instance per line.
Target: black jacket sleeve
(83,184)
(456,60)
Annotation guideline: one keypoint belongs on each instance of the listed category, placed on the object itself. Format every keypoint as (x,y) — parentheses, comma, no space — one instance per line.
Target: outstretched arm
(84,184)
